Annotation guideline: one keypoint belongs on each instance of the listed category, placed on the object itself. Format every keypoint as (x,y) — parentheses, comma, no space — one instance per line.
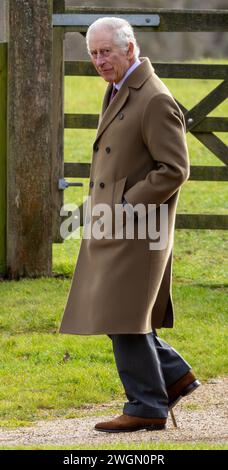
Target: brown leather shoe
(127,423)
(183,387)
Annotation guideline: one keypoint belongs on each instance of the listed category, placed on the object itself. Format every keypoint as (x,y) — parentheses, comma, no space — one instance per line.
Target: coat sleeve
(163,130)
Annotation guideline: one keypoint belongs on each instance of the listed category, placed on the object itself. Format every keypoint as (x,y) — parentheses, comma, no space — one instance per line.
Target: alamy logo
(124,222)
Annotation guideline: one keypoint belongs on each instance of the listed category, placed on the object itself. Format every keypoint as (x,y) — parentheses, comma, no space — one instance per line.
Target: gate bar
(87,20)
(78,19)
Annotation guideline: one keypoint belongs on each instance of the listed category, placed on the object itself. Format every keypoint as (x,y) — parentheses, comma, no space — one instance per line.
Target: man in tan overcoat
(121,287)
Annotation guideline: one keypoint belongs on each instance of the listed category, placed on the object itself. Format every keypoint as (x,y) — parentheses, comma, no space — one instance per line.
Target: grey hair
(123,32)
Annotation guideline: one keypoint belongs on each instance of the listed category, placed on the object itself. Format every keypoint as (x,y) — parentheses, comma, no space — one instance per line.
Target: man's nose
(100,60)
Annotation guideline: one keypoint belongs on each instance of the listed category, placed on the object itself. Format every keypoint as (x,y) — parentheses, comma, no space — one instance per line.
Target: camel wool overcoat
(120,286)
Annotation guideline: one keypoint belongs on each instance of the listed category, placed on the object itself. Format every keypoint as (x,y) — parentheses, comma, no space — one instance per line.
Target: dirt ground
(203,416)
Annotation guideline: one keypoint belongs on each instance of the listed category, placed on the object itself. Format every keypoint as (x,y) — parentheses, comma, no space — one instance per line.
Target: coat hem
(107,333)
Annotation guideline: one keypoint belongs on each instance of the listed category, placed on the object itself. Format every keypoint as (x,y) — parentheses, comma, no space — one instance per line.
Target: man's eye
(102,53)
(93,53)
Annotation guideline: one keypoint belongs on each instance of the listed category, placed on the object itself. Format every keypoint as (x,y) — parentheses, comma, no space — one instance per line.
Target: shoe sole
(154,427)
(187,391)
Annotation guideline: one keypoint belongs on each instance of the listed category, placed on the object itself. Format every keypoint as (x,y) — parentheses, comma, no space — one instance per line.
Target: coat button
(95,148)
(108,150)
(91,184)
(102,185)
(121,116)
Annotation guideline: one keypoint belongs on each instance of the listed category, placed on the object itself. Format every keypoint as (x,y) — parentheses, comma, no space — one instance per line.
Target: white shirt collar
(128,72)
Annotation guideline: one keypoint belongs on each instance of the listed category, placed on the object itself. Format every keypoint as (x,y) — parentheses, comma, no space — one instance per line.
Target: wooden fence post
(57,122)
(3,139)
(3,131)
(29,208)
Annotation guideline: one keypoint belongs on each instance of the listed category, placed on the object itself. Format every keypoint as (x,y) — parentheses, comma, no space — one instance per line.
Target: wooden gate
(197,122)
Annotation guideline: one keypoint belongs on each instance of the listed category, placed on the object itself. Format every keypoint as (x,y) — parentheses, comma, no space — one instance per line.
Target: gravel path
(203,416)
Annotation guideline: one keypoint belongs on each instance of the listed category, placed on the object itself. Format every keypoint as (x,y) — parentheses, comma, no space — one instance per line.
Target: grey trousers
(147,365)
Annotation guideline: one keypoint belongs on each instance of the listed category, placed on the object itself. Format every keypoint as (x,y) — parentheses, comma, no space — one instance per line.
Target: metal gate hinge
(63,184)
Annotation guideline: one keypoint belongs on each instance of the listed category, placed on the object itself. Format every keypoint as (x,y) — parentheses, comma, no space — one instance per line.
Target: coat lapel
(135,80)
(109,111)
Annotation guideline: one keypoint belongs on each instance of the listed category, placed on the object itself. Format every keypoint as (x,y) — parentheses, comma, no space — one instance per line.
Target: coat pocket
(119,191)
(119,218)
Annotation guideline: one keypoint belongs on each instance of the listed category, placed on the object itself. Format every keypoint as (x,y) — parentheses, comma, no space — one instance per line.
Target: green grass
(37,382)
(129,446)
(38,379)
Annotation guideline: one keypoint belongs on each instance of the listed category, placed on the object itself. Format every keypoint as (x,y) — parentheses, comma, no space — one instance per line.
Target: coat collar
(135,80)
(140,74)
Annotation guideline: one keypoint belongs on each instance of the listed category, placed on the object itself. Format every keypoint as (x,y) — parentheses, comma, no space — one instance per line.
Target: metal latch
(63,184)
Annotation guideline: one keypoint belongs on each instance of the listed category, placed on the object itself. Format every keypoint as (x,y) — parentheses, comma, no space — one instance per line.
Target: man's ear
(131,50)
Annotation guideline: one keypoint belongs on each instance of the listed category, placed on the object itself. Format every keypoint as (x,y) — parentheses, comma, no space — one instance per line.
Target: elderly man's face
(110,61)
